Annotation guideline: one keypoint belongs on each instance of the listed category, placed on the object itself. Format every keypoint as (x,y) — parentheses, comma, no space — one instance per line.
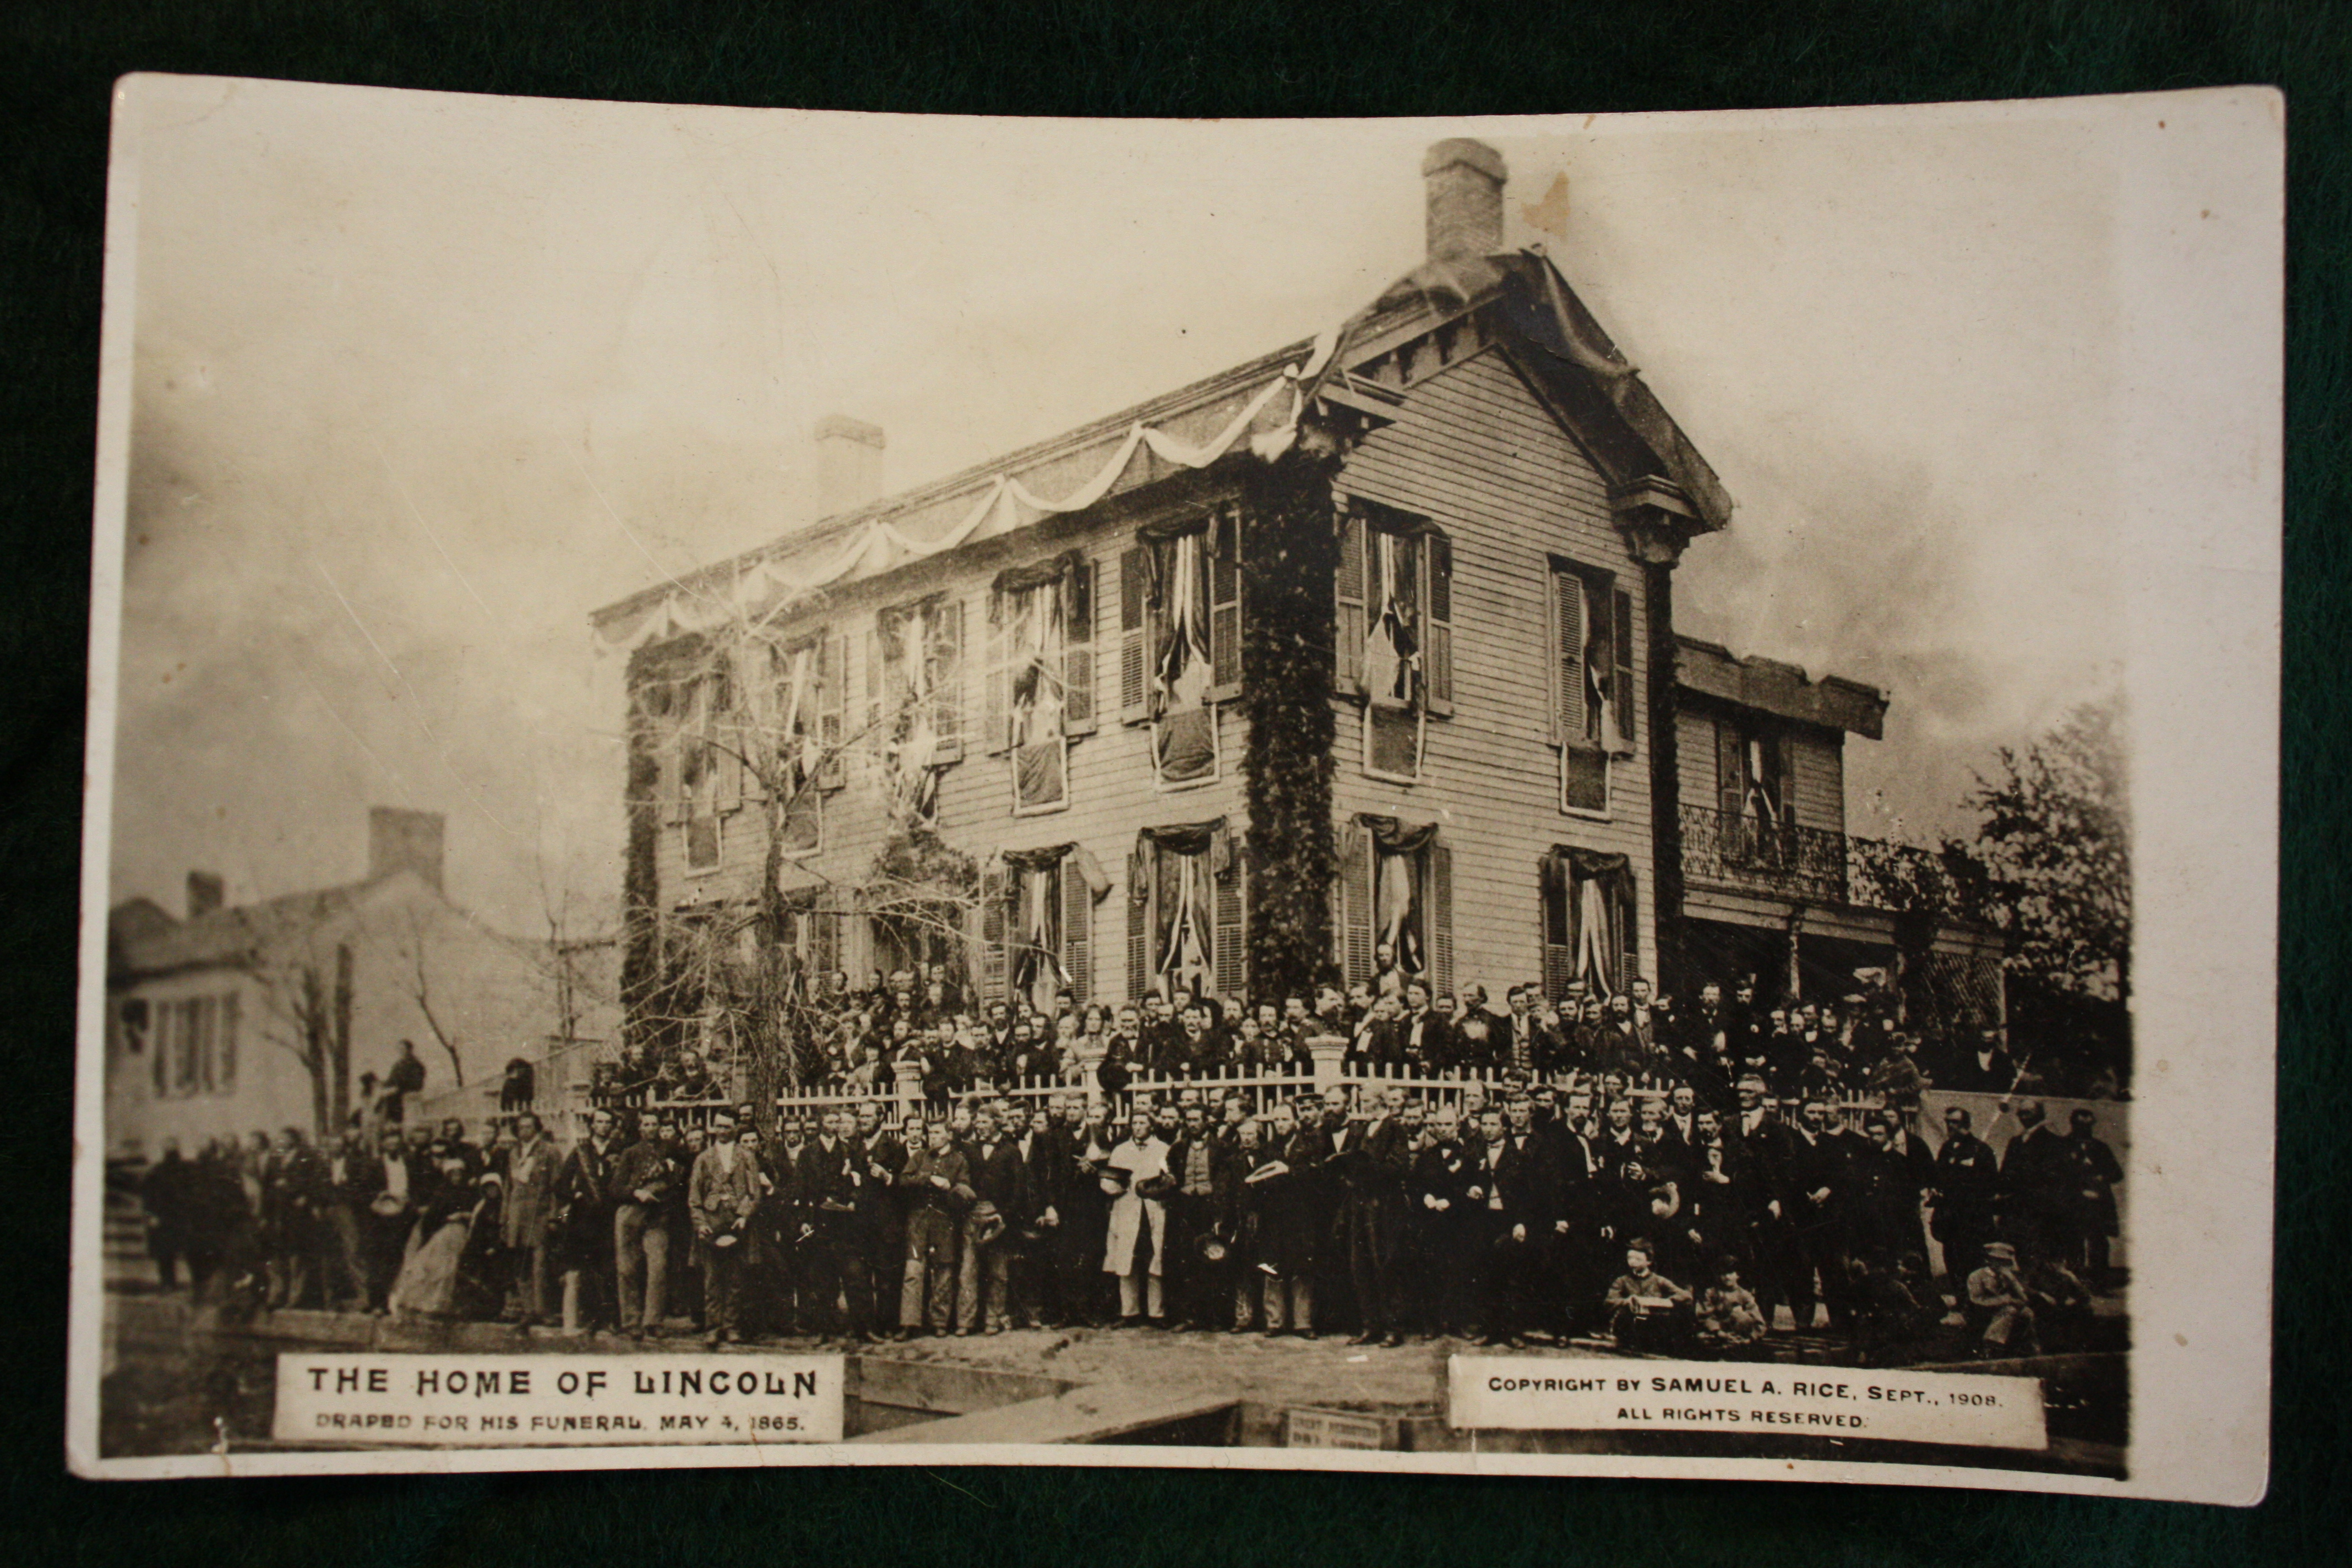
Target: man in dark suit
(1963,1196)
(2034,1182)
(1451,1225)
(984,1282)
(1374,1163)
(1525,1042)
(833,1184)
(1503,1182)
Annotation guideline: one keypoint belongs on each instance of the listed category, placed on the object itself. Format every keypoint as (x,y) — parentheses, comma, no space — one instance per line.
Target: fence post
(1328,1052)
(906,1088)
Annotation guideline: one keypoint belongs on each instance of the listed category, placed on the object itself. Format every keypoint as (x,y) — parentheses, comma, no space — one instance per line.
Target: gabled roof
(1249,411)
(231,938)
(1783,690)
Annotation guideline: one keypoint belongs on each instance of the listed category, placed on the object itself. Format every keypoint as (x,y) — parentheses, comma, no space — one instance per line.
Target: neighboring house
(1774,886)
(238,1020)
(1077,666)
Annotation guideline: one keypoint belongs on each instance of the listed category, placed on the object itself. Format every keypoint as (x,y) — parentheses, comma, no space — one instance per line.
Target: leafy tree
(2051,869)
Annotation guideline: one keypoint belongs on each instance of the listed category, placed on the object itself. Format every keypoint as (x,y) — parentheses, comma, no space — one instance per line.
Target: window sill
(1392,778)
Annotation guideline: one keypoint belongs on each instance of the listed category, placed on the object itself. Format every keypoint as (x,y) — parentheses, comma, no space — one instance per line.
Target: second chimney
(849,464)
(206,892)
(405,841)
(1464,181)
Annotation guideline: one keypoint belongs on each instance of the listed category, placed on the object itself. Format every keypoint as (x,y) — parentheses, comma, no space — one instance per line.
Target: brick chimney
(1464,180)
(405,841)
(849,464)
(206,892)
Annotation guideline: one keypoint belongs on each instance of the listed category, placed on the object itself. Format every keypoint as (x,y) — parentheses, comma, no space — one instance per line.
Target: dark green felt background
(1384,57)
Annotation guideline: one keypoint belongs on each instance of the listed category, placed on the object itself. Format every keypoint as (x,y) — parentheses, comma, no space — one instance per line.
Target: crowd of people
(1672,1183)
(918,1022)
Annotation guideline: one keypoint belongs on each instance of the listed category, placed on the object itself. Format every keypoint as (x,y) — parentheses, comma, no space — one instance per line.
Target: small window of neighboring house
(1752,794)
(808,679)
(1181,616)
(1041,676)
(1036,927)
(1396,633)
(1590,924)
(914,700)
(1186,913)
(1395,897)
(194,1046)
(1593,698)
(710,773)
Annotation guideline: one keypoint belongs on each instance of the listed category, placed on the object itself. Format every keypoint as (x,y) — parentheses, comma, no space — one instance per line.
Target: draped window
(807,686)
(194,1046)
(1181,636)
(913,681)
(1041,689)
(1395,632)
(1395,896)
(708,776)
(1591,661)
(1590,921)
(1036,925)
(1186,933)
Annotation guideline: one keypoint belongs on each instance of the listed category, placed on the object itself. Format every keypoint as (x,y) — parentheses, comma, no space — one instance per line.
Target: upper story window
(914,699)
(1395,632)
(1590,643)
(808,676)
(1752,758)
(1180,639)
(1042,679)
(709,774)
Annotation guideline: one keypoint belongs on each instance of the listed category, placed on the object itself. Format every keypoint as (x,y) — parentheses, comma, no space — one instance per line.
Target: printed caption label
(1573,1395)
(558,1401)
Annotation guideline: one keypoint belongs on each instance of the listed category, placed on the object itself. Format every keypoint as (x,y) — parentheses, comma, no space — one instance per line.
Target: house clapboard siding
(1474,451)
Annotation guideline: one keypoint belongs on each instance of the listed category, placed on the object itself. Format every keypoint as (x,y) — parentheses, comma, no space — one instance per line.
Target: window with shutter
(1077,931)
(1441,917)
(1559,926)
(224,1047)
(1440,622)
(943,677)
(995,724)
(1355,921)
(832,695)
(1224,554)
(726,733)
(1134,635)
(1230,957)
(1142,875)
(1731,772)
(1625,701)
(995,891)
(1078,649)
(1568,725)
(1347,668)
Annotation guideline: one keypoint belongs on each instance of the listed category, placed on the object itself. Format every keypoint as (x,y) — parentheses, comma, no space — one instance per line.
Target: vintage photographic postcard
(1567,796)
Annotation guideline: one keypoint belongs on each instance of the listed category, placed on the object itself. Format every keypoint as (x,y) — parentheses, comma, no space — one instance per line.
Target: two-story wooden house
(1358,654)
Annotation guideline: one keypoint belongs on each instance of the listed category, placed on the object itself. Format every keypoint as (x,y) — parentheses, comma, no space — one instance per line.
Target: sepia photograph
(1502,796)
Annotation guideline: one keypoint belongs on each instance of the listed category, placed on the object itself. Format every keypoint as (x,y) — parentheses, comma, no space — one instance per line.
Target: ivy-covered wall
(1293,558)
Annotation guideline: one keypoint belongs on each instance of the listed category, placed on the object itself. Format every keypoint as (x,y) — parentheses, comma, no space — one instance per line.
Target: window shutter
(1439,664)
(996,722)
(1224,605)
(227,1043)
(1731,771)
(947,679)
(159,1045)
(1559,926)
(1625,699)
(995,891)
(669,789)
(1077,931)
(1347,668)
(1230,962)
(1568,659)
(1355,903)
(824,941)
(1134,635)
(1441,916)
(1142,867)
(1600,641)
(1078,649)
(832,700)
(731,728)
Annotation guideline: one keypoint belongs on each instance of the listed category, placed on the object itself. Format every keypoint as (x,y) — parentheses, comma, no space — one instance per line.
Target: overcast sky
(421,380)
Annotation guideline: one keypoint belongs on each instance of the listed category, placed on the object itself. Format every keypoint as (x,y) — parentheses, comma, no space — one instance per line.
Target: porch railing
(1810,865)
